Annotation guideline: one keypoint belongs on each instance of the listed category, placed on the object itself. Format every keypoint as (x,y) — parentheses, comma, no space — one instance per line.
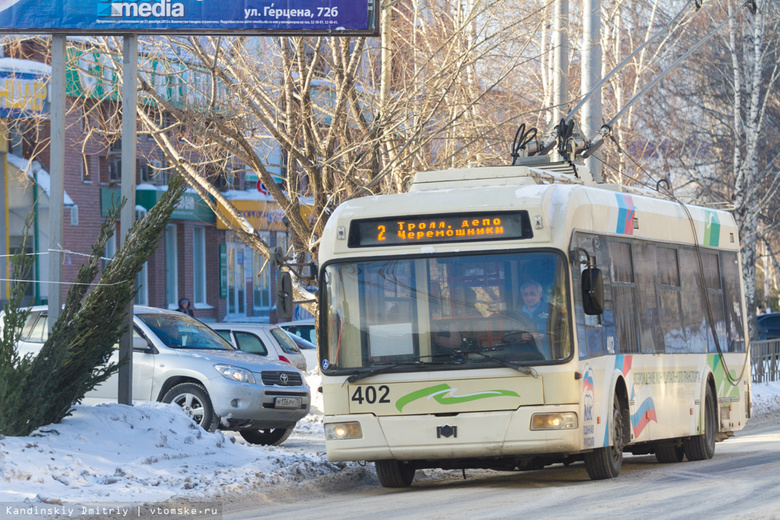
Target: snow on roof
(24,66)
(37,173)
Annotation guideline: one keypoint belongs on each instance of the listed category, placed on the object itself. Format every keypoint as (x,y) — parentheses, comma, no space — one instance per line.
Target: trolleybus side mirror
(284,297)
(592,291)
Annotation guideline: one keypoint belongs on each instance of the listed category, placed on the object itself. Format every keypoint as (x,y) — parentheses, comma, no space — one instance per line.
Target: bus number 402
(370,394)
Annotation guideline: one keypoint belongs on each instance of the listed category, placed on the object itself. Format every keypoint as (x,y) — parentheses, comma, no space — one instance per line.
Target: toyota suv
(178,359)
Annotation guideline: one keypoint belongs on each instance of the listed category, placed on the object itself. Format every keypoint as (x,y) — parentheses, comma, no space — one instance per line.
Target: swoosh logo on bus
(445,394)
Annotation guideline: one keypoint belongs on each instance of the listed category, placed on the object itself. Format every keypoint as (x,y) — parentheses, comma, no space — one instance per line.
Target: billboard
(258,17)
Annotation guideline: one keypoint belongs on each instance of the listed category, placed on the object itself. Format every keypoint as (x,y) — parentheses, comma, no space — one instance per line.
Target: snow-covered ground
(151,452)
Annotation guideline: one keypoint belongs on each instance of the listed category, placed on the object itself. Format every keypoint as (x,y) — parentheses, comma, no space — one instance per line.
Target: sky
(151,452)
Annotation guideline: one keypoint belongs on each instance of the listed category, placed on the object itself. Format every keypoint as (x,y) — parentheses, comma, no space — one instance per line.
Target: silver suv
(178,359)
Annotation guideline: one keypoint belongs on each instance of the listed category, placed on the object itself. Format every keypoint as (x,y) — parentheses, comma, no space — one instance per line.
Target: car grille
(282,378)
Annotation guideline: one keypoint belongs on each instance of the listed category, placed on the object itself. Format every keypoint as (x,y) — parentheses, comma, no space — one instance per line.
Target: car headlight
(235,374)
(554,421)
(339,431)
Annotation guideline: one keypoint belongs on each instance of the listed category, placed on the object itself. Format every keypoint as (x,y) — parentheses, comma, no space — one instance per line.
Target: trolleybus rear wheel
(394,474)
(669,453)
(603,463)
(702,447)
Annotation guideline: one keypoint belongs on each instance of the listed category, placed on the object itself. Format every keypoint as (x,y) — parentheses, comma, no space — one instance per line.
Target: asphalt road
(742,481)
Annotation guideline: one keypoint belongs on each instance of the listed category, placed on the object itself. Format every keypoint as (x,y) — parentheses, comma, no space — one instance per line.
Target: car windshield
(463,311)
(181,331)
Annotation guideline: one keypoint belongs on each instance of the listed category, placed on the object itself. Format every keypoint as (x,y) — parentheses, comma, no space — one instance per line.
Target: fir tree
(75,357)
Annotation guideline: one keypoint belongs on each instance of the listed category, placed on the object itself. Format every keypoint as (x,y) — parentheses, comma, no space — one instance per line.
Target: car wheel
(194,400)
(271,436)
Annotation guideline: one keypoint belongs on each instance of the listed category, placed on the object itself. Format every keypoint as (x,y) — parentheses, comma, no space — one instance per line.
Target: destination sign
(430,229)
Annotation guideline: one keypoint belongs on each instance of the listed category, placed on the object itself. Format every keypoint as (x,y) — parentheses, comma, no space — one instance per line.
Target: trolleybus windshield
(463,311)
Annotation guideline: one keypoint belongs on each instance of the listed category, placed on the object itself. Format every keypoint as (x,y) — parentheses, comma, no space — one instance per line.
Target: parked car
(178,359)
(769,325)
(262,339)
(308,350)
(303,328)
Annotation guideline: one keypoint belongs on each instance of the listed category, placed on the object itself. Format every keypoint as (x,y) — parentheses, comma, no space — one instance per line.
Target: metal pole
(560,60)
(591,74)
(57,173)
(129,141)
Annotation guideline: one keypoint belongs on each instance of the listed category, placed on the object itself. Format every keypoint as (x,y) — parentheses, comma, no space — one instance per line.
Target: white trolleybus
(515,317)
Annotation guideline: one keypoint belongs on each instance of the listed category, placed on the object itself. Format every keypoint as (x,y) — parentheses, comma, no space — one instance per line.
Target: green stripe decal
(444,394)
(711,229)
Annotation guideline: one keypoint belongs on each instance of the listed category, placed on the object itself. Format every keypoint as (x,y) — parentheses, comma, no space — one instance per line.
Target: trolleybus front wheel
(394,474)
(603,463)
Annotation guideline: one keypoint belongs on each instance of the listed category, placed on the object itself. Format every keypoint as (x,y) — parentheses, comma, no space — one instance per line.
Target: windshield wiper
(458,354)
(417,361)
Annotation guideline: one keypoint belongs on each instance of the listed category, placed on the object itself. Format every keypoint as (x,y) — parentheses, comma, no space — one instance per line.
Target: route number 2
(370,394)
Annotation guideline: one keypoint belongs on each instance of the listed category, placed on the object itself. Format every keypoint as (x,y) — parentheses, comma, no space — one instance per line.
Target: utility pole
(591,75)
(560,60)
(57,173)
(129,141)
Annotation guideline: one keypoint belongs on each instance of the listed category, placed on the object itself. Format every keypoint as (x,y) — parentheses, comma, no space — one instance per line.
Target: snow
(34,171)
(151,452)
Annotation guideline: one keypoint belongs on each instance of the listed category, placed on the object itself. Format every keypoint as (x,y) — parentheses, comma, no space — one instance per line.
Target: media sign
(189,16)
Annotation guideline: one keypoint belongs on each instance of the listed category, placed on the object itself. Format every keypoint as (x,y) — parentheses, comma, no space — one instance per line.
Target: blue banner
(189,16)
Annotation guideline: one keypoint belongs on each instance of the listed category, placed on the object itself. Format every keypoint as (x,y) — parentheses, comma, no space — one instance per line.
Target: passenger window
(28,326)
(225,334)
(624,295)
(40,331)
(250,343)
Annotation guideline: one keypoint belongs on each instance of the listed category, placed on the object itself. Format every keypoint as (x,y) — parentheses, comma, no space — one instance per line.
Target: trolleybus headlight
(339,431)
(554,421)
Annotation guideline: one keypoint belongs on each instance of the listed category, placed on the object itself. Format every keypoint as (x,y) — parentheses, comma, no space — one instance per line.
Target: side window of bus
(671,300)
(624,295)
(694,319)
(646,273)
(731,274)
(715,295)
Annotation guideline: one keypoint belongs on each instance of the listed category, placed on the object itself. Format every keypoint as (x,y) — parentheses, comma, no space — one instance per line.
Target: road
(742,481)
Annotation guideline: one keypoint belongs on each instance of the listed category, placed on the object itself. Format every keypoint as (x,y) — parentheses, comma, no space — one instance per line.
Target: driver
(537,309)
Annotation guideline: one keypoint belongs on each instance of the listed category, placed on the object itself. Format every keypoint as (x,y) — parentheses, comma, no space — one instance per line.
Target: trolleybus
(515,317)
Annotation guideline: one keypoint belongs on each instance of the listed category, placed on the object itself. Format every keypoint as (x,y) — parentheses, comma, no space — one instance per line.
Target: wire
(521,140)
(597,88)
(17,280)
(660,76)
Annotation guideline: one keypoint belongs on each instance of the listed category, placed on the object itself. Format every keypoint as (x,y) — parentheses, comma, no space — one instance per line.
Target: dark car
(769,325)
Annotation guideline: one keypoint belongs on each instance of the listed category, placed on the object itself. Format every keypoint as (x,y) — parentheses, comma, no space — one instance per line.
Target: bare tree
(352,117)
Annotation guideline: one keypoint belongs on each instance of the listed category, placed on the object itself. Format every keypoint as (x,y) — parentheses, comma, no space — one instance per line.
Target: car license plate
(287,402)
